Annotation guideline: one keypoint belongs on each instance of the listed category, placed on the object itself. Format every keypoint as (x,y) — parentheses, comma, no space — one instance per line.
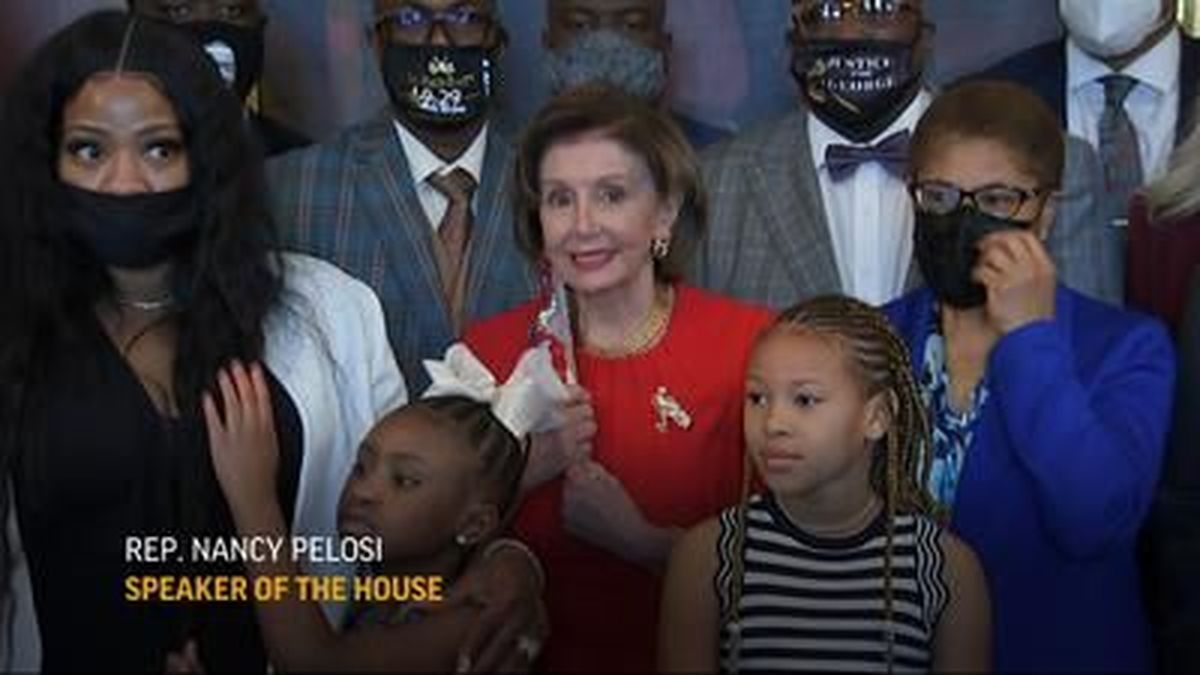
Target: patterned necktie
(1118,149)
(891,153)
(454,232)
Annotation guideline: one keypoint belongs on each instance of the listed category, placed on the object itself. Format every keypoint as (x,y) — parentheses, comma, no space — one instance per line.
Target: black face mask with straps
(946,249)
(237,51)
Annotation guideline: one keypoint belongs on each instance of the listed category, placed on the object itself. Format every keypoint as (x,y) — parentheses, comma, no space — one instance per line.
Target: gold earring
(660,248)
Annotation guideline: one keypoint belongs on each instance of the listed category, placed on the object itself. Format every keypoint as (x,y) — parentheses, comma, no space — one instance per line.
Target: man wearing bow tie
(817,201)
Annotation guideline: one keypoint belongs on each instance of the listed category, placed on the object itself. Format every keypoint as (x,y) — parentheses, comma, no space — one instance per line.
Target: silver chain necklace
(160,303)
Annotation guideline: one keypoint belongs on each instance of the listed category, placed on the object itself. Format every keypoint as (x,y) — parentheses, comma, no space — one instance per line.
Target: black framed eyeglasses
(414,23)
(997,200)
(815,12)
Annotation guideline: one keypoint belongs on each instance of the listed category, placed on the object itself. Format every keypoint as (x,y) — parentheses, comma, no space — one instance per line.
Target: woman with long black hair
(137,258)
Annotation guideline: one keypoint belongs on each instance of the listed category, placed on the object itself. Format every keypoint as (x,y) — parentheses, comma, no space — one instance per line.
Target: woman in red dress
(611,204)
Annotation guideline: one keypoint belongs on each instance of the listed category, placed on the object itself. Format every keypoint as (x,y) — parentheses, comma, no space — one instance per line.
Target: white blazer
(327,345)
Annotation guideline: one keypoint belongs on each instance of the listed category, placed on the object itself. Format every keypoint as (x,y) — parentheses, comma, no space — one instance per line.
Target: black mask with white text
(439,86)
(857,87)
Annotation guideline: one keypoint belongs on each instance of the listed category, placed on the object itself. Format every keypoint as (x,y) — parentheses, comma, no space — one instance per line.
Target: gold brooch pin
(667,409)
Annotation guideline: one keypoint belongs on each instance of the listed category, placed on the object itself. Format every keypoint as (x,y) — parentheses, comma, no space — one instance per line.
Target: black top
(100,463)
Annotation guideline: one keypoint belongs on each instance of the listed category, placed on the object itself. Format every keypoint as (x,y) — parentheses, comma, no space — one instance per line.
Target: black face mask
(132,231)
(946,251)
(857,87)
(237,51)
(439,86)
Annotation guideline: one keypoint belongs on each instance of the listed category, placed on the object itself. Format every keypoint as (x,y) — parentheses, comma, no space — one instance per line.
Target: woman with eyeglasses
(1048,409)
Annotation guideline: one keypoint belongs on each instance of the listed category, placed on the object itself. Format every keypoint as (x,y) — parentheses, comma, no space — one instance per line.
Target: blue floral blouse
(952,430)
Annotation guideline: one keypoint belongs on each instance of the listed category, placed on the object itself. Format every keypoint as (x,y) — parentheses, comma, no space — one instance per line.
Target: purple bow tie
(891,152)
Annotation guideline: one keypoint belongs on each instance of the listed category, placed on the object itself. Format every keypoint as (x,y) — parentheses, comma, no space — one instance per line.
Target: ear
(479,522)
(667,216)
(667,44)
(1045,220)
(877,419)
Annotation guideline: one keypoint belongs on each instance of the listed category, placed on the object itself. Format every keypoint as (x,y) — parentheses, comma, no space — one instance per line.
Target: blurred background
(729,69)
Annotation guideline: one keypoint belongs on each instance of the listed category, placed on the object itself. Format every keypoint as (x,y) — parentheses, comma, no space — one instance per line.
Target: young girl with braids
(840,564)
(434,480)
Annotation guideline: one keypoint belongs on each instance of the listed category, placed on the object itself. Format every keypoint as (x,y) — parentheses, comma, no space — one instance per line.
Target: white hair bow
(530,401)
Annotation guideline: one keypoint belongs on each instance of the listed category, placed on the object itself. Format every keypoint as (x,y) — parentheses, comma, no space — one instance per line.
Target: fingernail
(464,664)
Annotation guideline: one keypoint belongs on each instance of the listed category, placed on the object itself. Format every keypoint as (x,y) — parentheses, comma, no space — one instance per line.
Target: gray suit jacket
(1088,251)
(769,242)
(352,201)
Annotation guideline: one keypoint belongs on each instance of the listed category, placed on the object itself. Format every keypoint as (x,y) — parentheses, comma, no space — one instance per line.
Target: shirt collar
(423,162)
(821,135)
(1158,68)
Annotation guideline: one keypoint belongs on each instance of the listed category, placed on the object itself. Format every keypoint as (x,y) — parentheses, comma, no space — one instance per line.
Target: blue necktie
(891,153)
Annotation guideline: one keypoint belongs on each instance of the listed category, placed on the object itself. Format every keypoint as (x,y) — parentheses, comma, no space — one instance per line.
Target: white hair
(1177,193)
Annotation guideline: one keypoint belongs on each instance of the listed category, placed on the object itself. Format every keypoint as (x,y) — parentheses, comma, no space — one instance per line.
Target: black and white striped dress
(817,604)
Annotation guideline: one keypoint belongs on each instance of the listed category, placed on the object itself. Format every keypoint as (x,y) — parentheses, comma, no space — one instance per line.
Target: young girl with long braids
(840,564)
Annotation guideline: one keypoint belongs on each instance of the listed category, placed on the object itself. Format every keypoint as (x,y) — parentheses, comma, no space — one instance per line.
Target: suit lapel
(391,198)
(492,220)
(1053,88)
(794,209)
(1189,71)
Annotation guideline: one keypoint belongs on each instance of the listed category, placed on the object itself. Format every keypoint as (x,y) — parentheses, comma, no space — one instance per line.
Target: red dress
(604,610)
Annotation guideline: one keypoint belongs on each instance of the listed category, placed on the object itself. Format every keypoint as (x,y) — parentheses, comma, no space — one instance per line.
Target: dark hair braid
(501,453)
(901,466)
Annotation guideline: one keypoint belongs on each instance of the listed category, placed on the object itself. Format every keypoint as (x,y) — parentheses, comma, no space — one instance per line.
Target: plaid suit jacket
(1087,250)
(352,201)
(768,238)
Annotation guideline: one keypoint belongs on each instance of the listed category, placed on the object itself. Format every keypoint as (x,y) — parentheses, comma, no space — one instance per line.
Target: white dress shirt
(1152,105)
(423,163)
(869,214)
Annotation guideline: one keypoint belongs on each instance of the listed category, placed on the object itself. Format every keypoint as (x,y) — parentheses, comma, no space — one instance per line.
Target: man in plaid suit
(414,201)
